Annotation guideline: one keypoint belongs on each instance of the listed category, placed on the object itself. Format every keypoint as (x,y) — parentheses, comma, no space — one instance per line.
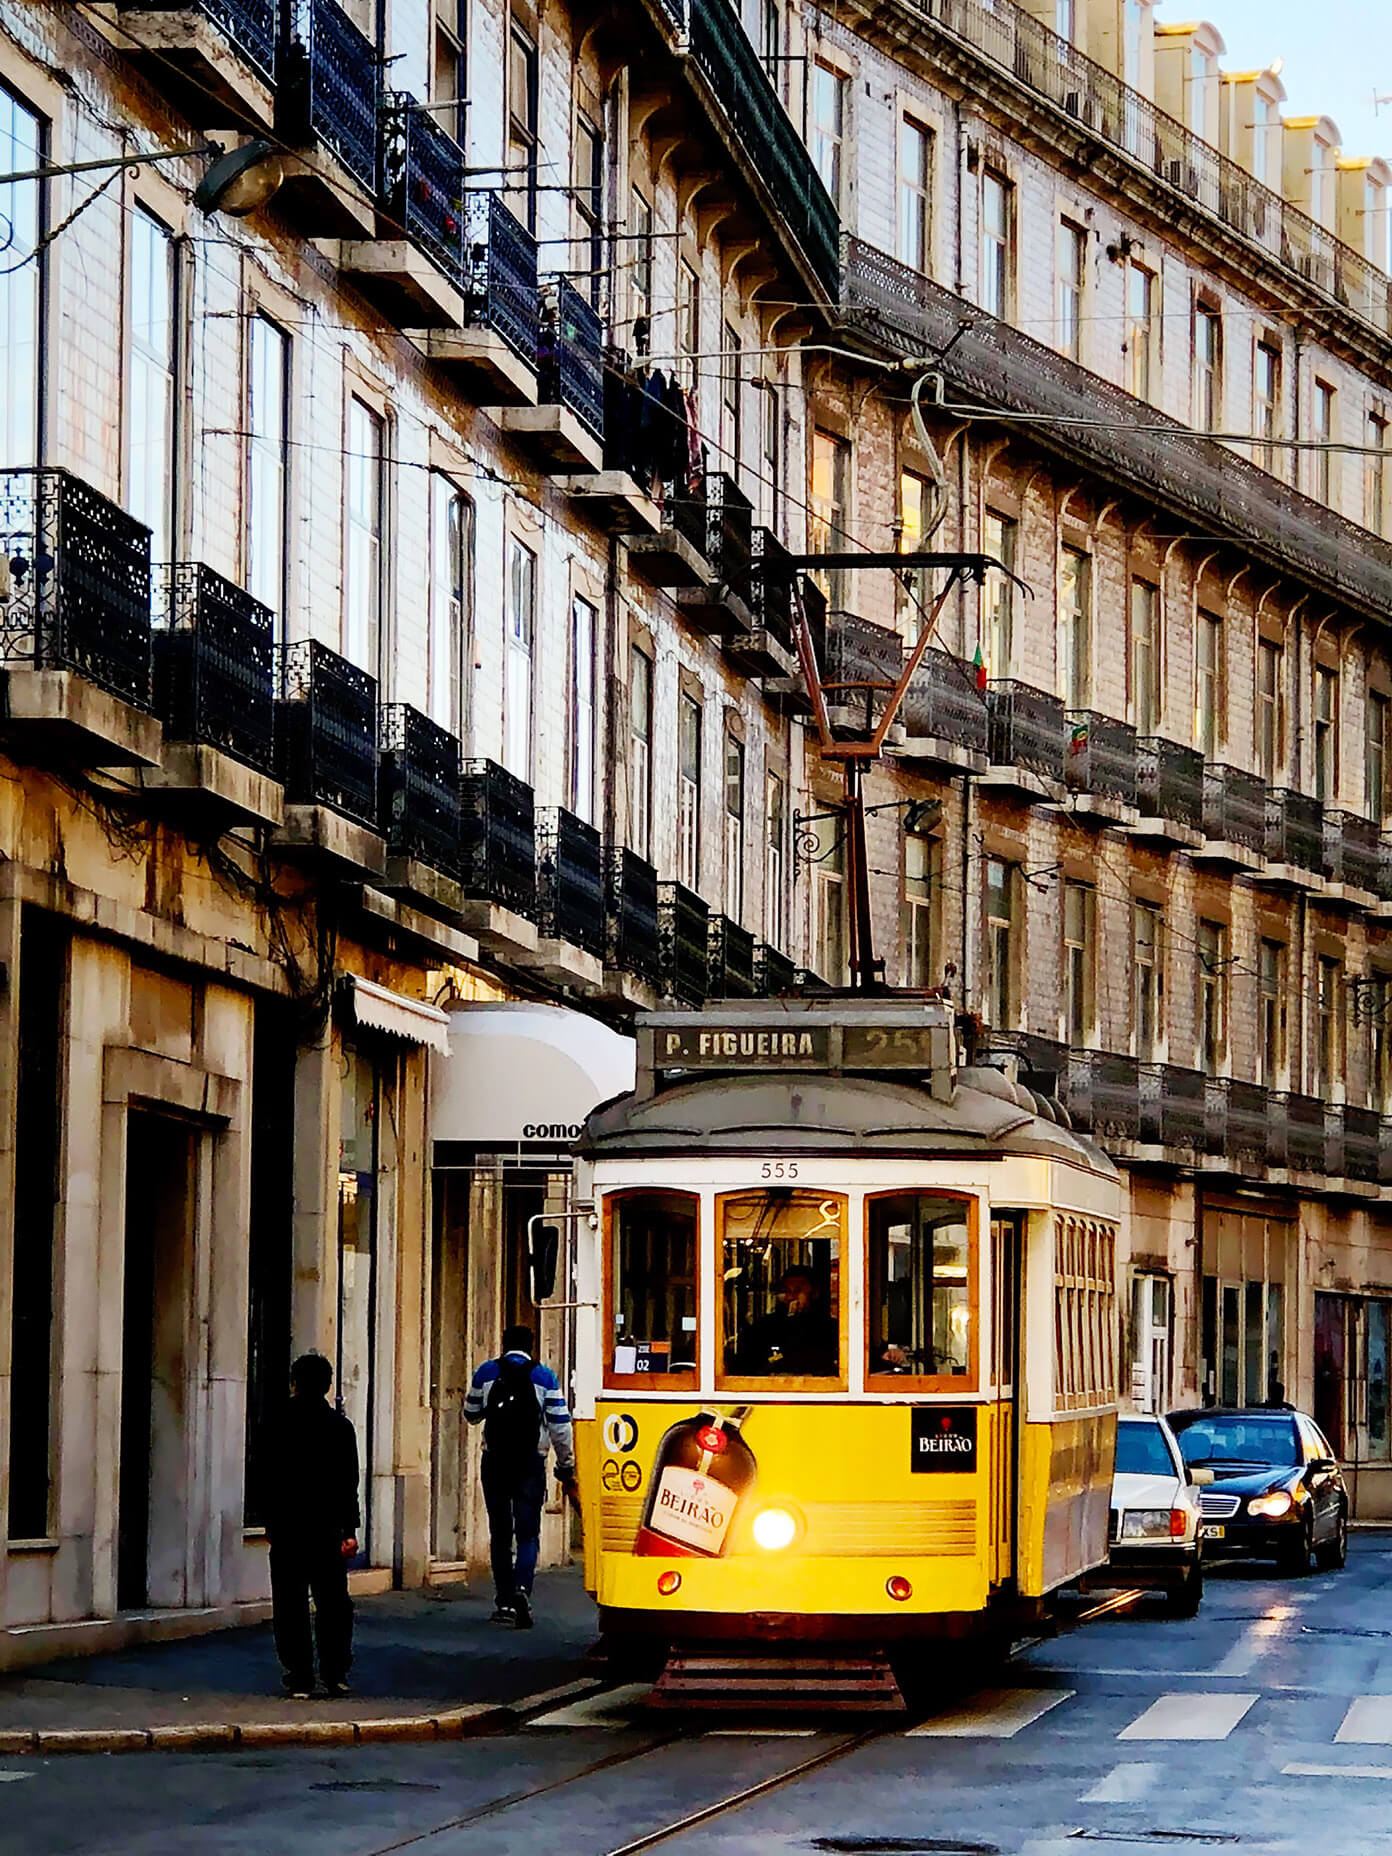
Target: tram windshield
(654,1284)
(920,1299)
(781,1282)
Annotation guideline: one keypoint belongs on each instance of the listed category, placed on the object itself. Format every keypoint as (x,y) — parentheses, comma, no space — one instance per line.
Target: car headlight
(774,1529)
(1272,1505)
(1145,1524)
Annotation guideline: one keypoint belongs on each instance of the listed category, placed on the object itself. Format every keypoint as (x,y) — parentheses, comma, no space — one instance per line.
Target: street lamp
(241,181)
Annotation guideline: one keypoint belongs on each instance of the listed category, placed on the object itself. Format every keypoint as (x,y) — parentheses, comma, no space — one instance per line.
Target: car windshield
(1141,1450)
(1213,1437)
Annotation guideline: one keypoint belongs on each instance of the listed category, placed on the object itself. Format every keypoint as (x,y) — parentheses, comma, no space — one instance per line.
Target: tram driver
(797,1338)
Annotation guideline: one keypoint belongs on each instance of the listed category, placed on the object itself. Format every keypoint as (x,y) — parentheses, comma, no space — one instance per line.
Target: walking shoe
(297,1688)
(503,1613)
(336,1690)
(523,1609)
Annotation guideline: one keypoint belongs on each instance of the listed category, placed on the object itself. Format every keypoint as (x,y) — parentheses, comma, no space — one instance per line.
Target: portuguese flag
(979,666)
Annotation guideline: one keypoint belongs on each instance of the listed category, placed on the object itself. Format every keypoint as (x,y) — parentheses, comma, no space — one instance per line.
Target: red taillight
(1179,1521)
(899,1588)
(668,1582)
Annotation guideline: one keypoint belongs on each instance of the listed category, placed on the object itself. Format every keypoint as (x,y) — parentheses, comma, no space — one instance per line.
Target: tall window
(1326,733)
(922,860)
(1145,657)
(1271,1013)
(151,398)
(1147,980)
(775,859)
(1208,685)
(1271,711)
(1375,474)
(915,195)
(1213,963)
(770,454)
(1266,401)
(689,791)
(688,322)
(1066,19)
(640,720)
(1140,330)
(450,79)
(773,42)
(731,385)
(915,509)
(998,540)
(451,578)
(1323,485)
(517,667)
(268,472)
(363,512)
(997,241)
(22,147)
(522,120)
(640,253)
(829,514)
(1075,622)
(584,710)
(1208,368)
(1079,962)
(1329,1026)
(828,125)
(1070,259)
(734,828)
(1377,1008)
(1002,942)
(1375,714)
(829,937)
(589,202)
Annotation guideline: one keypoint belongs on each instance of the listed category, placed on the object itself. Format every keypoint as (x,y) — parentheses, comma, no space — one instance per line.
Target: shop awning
(524,1075)
(377,1008)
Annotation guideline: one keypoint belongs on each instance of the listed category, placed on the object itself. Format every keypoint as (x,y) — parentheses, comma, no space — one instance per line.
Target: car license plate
(1210,1532)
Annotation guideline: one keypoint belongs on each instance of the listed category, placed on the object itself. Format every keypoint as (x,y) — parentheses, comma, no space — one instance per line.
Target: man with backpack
(523,1414)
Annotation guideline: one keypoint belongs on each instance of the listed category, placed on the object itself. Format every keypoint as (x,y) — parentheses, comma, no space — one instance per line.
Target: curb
(209,1736)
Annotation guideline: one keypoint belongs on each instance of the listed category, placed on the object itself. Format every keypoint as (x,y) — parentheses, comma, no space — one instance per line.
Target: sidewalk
(426,1665)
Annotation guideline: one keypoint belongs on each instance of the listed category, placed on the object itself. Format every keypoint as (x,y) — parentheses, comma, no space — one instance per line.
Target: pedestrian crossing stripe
(992,1714)
(1189,1717)
(1368,1722)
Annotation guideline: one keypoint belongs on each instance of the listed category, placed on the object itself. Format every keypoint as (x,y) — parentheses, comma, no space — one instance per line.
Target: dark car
(1276,1492)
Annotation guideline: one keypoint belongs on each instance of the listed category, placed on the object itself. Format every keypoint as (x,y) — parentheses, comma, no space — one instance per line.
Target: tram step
(794,1682)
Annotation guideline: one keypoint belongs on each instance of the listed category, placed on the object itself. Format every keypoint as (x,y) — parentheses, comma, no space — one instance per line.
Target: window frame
(734,782)
(144,365)
(690,713)
(640,783)
(274,455)
(827,140)
(1208,368)
(1376,703)
(996,248)
(1070,286)
(786,1382)
(583,744)
(914,194)
(1150,636)
(1080,952)
(1324,734)
(371,525)
(1141,325)
(966,1384)
(646,1382)
(515,650)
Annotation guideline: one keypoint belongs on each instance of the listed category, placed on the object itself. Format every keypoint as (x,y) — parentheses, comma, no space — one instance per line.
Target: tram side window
(1084,1314)
(920,1288)
(781,1285)
(654,1284)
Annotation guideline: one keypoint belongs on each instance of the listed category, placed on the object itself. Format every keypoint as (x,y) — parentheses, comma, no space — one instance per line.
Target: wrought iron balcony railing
(250,27)
(1103,427)
(570,355)
(1169,781)
(1027,728)
(1240,1119)
(497,837)
(214,670)
(1234,807)
(1361,1133)
(500,274)
(725,56)
(685,509)
(1101,756)
(331,86)
(570,880)
(419,788)
(1174,1105)
(771,587)
(861,664)
(731,972)
(775,976)
(1294,830)
(729,530)
(633,944)
(683,925)
(74,583)
(1040,1063)
(422,182)
(942,703)
(1297,1133)
(1355,854)
(1102,1093)
(326,731)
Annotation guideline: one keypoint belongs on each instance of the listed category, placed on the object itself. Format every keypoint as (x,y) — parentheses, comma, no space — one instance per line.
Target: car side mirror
(1201,1478)
(545,1253)
(1323,1464)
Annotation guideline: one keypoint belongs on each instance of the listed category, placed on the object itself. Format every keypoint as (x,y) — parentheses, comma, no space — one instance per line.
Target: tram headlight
(775,1529)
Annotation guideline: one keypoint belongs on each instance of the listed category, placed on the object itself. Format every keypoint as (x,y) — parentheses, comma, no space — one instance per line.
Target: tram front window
(653,1285)
(919,1292)
(781,1283)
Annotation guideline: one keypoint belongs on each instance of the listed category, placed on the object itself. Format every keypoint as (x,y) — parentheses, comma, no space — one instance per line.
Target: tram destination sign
(783,1046)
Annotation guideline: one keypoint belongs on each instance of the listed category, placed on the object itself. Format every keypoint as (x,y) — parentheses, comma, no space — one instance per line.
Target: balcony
(496,350)
(1298,1133)
(633,944)
(216,58)
(775,976)
(1026,737)
(684,940)
(1101,762)
(1035,1062)
(75,622)
(1173,1110)
(639,456)
(1239,1121)
(328,104)
(565,429)
(672,555)
(861,664)
(215,694)
(767,648)
(1356,861)
(1208,484)
(570,899)
(1234,817)
(498,862)
(326,756)
(719,518)
(944,714)
(418,782)
(1102,1093)
(417,280)
(1169,792)
(731,972)
(1361,1143)
(1294,841)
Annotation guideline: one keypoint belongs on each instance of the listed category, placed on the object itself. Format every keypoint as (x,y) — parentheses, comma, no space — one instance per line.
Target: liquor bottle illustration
(702,1468)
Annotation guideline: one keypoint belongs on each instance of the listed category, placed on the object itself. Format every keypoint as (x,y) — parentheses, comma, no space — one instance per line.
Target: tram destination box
(831,1037)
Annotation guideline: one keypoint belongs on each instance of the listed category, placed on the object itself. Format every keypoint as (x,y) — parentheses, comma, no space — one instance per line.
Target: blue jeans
(514,1496)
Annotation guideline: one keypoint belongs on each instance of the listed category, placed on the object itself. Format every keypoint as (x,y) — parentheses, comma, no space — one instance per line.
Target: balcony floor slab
(402,281)
(555,435)
(196,776)
(932,750)
(614,500)
(311,831)
(670,561)
(1223,853)
(59,715)
(323,199)
(1166,832)
(1286,876)
(1100,810)
(412,877)
(714,610)
(565,964)
(790,693)
(1023,783)
(212,84)
(498,375)
(393,913)
(627,989)
(1346,897)
(759,654)
(501,931)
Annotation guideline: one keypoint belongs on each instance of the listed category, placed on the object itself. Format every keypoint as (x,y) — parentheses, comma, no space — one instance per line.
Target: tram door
(1007,1246)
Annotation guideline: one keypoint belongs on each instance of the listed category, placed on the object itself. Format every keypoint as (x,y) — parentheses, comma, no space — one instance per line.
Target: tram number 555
(778,1169)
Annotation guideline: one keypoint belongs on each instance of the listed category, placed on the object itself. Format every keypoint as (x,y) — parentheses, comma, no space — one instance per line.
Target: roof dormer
(1364,188)
(1309,166)
(1120,35)
(1187,76)
(1251,122)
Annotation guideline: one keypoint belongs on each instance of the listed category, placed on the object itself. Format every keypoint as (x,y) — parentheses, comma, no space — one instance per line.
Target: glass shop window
(920,1293)
(653,1286)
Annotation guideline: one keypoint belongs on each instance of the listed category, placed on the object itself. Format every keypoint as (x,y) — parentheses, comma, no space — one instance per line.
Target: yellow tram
(847,1372)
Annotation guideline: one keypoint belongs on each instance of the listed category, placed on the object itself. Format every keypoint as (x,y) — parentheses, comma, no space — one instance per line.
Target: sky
(1337,53)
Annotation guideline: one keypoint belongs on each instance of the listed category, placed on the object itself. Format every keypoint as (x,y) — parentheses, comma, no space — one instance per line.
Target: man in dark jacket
(312,1520)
